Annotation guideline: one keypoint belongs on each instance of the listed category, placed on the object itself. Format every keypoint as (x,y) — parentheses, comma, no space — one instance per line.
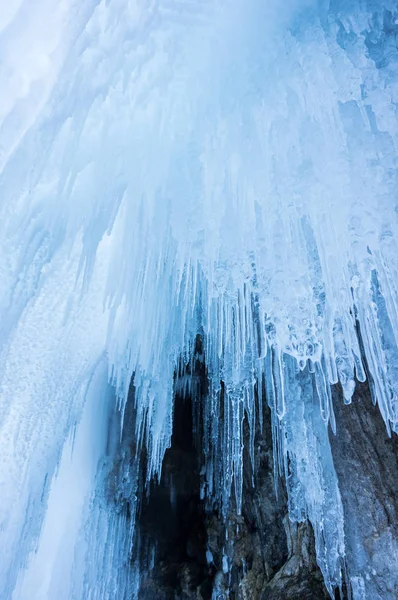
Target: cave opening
(187,548)
(172,520)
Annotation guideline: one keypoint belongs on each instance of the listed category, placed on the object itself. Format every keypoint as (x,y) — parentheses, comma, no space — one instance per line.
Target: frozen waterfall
(169,169)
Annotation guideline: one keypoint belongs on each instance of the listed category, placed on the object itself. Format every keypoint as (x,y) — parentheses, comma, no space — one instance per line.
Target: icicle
(277,381)
(321,387)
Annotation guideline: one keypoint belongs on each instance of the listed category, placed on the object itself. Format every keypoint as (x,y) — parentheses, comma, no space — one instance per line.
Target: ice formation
(171,168)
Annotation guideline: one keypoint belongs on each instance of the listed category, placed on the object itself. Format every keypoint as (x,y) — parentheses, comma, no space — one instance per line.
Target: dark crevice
(172,522)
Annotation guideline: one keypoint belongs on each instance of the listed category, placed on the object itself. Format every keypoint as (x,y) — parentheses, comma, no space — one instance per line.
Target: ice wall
(169,168)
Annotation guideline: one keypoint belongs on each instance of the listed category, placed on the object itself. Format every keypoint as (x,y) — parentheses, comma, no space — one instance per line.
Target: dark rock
(366,462)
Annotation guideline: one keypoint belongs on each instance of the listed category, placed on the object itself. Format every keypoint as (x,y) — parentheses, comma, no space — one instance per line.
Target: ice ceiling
(169,168)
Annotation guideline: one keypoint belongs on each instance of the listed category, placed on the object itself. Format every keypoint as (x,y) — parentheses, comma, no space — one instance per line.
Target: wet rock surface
(366,462)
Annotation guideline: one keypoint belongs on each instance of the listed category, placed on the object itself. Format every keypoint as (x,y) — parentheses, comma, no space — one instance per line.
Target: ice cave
(199,299)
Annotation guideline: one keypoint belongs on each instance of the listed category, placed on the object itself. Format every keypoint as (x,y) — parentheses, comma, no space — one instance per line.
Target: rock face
(187,550)
(366,462)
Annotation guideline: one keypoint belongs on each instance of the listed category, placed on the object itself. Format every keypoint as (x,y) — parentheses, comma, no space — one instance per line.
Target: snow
(171,168)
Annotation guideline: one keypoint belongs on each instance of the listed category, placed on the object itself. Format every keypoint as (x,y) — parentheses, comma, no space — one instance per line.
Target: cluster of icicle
(220,167)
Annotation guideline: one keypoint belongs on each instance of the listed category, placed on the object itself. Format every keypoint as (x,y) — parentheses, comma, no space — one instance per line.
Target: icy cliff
(168,169)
